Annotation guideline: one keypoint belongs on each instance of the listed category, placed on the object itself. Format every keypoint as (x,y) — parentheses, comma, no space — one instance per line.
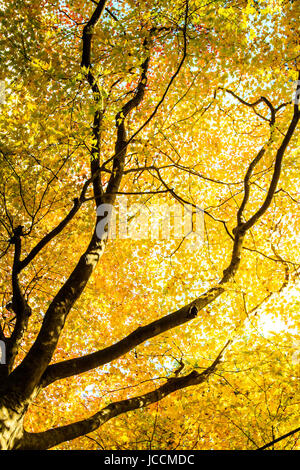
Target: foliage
(186,103)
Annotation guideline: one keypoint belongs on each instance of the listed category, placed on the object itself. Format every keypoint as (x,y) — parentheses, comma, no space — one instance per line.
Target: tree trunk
(11,423)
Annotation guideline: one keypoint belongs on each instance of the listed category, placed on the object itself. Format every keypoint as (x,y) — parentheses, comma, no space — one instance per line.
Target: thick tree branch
(121,143)
(31,369)
(187,313)
(53,437)
(19,305)
(182,315)
(88,34)
(98,115)
(26,376)
(90,361)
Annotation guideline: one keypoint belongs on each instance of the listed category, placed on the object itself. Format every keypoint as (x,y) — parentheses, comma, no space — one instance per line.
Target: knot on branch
(238,230)
(27,311)
(88,29)
(227,273)
(192,313)
(18,232)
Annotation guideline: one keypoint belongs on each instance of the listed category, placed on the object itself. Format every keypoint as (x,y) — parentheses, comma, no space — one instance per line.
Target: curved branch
(191,310)
(262,99)
(53,437)
(251,167)
(187,313)
(82,364)
(52,234)
(277,170)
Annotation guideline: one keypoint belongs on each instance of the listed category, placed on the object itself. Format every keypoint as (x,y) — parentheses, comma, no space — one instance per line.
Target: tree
(190,104)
